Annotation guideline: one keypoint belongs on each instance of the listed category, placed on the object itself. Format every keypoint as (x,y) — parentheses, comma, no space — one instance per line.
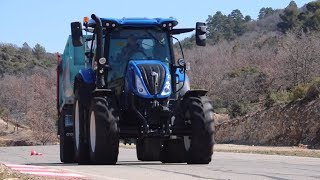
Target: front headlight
(139,86)
(167,87)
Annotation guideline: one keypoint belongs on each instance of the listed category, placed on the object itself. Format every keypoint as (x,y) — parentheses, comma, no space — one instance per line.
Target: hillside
(27,95)
(282,125)
(266,77)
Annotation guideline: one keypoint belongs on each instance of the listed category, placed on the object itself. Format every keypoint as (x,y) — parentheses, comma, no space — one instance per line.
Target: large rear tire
(199,112)
(66,137)
(81,147)
(148,149)
(103,131)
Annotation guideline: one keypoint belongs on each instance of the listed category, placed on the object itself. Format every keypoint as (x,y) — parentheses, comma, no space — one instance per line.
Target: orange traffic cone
(35,153)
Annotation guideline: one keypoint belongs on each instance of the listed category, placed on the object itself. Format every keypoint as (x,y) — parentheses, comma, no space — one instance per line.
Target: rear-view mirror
(76,33)
(201,31)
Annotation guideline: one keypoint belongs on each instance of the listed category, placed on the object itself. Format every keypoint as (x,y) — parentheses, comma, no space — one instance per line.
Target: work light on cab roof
(167,23)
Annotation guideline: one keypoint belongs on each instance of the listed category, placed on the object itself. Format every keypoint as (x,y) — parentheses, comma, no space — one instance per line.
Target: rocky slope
(281,125)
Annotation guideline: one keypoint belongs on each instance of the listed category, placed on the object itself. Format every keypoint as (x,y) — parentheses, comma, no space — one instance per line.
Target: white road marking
(97,176)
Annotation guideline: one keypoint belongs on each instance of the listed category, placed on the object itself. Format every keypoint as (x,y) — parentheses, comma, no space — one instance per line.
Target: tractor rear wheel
(103,131)
(66,138)
(199,112)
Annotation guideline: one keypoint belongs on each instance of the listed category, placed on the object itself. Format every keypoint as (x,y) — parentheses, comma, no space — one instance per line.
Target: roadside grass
(9,174)
(283,151)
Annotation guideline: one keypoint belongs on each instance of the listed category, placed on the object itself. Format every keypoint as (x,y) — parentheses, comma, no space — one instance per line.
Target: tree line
(229,27)
(14,59)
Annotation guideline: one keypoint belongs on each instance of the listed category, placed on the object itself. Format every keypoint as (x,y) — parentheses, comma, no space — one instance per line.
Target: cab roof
(135,22)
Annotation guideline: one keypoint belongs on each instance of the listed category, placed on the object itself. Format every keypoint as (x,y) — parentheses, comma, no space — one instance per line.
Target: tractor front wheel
(103,131)
(81,147)
(199,146)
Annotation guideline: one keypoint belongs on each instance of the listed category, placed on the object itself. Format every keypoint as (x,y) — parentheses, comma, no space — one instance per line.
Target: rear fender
(84,89)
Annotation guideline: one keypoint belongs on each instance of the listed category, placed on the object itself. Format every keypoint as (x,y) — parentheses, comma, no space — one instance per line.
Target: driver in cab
(130,49)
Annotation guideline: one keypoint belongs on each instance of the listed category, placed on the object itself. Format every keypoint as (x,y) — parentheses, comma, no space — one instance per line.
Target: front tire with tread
(199,111)
(103,131)
(81,147)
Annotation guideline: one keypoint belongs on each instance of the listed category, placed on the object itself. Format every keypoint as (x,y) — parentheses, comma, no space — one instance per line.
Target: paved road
(224,166)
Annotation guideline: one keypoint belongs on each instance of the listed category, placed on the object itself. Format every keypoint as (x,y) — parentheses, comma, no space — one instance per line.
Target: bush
(217,103)
(238,109)
(278,97)
(246,70)
(309,91)
(299,92)
(313,91)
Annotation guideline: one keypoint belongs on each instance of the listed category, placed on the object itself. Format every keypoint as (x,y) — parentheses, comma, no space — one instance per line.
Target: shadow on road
(119,163)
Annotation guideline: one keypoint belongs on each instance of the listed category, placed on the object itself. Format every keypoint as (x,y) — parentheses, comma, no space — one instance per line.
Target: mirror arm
(179,46)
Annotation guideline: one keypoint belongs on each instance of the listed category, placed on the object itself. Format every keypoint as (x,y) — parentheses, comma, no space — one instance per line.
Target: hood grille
(153,76)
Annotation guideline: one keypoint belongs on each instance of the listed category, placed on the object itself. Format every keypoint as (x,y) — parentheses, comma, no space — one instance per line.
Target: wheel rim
(77,125)
(186,139)
(92,131)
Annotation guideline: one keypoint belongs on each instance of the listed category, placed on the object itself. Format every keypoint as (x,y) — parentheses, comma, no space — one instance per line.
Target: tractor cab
(117,43)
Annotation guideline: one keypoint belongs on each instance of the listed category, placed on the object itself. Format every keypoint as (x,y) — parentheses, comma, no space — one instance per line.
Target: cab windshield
(136,44)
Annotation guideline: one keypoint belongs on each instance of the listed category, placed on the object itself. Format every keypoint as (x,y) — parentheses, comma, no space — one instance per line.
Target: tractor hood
(148,78)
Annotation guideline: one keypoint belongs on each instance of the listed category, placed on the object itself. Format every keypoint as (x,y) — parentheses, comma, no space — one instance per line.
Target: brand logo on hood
(154,73)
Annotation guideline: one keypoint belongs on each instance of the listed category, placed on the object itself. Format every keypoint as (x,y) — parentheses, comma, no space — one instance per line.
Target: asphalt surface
(223,166)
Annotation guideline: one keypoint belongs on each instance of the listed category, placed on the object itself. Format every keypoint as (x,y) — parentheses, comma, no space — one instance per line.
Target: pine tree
(239,26)
(265,12)
(39,51)
(216,26)
(311,18)
(290,18)
(247,18)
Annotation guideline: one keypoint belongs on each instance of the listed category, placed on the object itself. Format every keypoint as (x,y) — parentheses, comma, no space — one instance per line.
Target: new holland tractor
(120,80)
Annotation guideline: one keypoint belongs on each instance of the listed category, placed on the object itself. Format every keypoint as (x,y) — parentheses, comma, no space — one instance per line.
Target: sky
(48,22)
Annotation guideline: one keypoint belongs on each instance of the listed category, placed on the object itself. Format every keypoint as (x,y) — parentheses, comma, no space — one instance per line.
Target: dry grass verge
(9,174)
(284,151)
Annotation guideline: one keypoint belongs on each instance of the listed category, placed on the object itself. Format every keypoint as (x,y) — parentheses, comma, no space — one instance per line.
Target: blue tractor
(119,80)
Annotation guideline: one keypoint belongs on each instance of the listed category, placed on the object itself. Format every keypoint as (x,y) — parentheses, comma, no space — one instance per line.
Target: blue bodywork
(181,76)
(88,75)
(134,72)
